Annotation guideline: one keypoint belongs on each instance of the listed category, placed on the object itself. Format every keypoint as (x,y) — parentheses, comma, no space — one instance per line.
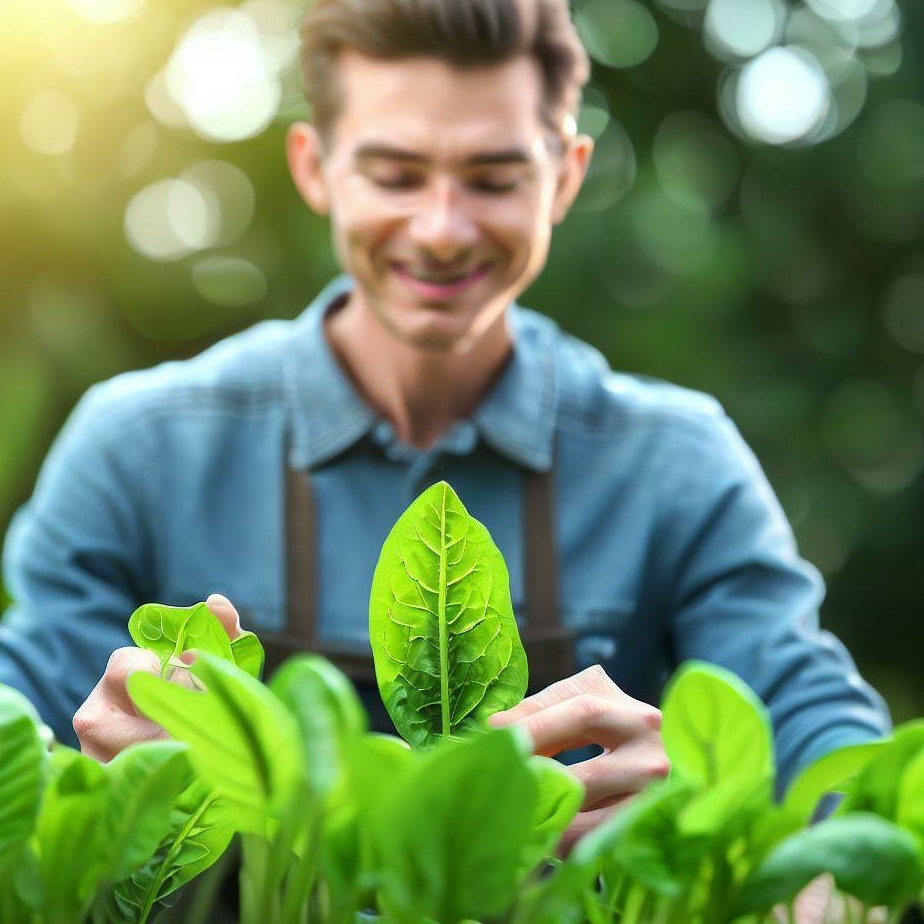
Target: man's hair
(464,33)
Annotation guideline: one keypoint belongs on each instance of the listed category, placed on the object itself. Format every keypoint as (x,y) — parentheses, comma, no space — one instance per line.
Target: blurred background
(753,226)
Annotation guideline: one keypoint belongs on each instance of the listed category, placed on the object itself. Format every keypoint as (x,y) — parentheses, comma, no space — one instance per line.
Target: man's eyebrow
(485,158)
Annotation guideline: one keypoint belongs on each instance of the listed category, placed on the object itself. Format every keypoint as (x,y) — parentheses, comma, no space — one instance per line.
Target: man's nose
(442,226)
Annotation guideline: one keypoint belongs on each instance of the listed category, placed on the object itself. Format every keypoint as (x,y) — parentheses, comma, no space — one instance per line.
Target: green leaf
(718,737)
(22,770)
(243,741)
(446,647)
(450,835)
(70,835)
(645,840)
(248,654)
(909,812)
(831,773)
(146,780)
(876,787)
(869,857)
(328,711)
(559,797)
(168,631)
(200,830)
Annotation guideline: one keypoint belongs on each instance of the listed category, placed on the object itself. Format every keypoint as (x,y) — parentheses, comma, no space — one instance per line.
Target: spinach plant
(456,823)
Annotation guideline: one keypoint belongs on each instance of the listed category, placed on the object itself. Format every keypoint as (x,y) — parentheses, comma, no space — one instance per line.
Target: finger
(587,719)
(626,770)
(124,662)
(104,733)
(222,608)
(593,680)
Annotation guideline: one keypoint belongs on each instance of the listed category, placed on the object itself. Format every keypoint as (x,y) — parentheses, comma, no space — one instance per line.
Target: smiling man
(637,526)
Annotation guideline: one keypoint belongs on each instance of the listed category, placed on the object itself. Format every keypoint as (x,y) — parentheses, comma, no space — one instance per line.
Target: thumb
(222,608)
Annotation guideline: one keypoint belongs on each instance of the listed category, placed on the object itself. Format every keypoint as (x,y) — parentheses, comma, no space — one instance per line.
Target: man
(273,465)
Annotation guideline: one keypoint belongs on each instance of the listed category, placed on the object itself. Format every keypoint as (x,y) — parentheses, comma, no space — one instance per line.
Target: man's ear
(305,155)
(574,165)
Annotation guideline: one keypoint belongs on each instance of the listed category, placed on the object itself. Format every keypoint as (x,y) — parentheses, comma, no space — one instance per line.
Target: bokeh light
(782,95)
(49,123)
(612,170)
(106,11)
(168,220)
(743,28)
(221,79)
(229,282)
(617,33)
(695,162)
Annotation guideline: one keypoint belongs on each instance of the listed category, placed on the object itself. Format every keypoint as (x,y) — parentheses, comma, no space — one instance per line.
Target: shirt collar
(516,418)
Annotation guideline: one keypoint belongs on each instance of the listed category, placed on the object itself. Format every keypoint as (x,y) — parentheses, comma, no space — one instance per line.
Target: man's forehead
(418,104)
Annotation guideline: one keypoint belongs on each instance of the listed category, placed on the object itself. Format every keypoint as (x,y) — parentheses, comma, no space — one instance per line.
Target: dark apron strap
(549,645)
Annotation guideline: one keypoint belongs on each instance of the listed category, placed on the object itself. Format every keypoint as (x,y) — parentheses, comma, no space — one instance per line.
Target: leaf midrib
(444,628)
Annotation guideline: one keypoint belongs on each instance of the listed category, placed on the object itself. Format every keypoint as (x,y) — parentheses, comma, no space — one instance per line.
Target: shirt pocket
(599,632)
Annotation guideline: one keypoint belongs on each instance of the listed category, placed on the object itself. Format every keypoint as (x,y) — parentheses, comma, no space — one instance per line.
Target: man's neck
(420,392)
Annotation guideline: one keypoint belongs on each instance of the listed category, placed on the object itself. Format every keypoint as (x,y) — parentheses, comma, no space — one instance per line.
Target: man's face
(442,189)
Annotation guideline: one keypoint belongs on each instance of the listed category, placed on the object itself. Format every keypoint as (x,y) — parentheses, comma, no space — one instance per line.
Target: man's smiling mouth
(435,285)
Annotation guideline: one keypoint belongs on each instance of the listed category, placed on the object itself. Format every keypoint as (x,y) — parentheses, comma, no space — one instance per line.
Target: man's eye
(493,188)
(404,181)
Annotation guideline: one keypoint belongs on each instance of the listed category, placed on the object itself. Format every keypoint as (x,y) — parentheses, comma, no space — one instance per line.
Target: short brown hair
(464,33)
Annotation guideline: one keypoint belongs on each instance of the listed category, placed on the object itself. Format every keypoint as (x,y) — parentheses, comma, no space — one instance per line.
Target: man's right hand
(108,722)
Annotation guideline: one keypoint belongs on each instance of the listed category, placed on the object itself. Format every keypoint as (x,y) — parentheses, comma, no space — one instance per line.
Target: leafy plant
(457,823)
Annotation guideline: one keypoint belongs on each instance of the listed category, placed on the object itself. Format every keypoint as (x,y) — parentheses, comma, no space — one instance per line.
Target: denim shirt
(168,484)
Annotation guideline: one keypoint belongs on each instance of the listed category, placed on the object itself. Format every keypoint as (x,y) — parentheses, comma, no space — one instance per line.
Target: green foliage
(446,646)
(339,825)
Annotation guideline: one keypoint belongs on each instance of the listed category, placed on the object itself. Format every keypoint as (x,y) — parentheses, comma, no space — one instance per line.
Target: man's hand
(108,722)
(589,708)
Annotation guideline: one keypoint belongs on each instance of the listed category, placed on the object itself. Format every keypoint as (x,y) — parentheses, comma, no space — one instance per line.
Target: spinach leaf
(168,631)
(718,736)
(242,739)
(327,710)
(449,834)
(869,857)
(247,653)
(830,773)
(559,797)
(446,647)
(876,788)
(70,838)
(22,770)
(145,781)
(200,829)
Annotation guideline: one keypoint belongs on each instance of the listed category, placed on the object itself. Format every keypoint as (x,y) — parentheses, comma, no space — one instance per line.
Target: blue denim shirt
(167,485)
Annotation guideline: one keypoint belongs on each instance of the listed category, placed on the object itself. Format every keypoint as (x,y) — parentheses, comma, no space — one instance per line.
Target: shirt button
(595,649)
(461,438)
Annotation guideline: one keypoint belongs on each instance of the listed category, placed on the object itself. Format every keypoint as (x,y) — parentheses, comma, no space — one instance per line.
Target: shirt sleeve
(742,597)
(73,564)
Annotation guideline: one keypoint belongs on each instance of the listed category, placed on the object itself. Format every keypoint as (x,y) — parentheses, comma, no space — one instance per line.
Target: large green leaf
(22,770)
(718,736)
(243,741)
(446,646)
(168,631)
(328,711)
(449,835)
(146,781)
(869,857)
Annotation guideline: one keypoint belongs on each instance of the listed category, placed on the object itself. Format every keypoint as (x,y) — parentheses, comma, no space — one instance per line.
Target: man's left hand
(589,708)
